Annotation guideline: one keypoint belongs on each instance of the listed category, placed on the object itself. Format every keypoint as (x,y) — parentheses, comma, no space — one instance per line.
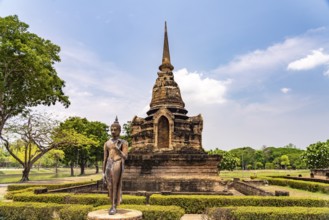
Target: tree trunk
(25,176)
(82,169)
(97,167)
(56,166)
(72,168)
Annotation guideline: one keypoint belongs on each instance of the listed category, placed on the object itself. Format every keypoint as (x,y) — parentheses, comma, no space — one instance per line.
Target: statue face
(115,131)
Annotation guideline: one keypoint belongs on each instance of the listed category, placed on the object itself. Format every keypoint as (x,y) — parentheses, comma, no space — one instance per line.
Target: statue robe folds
(117,153)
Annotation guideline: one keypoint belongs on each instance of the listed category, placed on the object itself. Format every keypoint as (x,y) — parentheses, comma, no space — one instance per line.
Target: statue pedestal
(122,214)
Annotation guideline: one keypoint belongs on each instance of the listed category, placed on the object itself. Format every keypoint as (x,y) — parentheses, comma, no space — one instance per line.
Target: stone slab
(122,214)
(193,217)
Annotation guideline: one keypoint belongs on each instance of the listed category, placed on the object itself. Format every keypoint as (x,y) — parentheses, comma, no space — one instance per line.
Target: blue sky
(258,71)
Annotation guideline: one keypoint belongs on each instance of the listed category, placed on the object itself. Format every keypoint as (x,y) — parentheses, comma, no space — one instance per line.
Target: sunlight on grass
(296,192)
(14,175)
(260,173)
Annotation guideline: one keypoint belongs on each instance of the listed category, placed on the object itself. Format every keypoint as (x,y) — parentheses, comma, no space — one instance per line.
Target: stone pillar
(122,214)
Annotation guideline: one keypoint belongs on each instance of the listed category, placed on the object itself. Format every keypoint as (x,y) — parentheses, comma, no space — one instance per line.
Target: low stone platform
(172,184)
(122,214)
(164,164)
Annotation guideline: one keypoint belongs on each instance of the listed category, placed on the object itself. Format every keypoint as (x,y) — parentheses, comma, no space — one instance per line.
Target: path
(193,217)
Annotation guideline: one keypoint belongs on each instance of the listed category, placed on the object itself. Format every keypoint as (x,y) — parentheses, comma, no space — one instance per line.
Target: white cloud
(326,73)
(203,90)
(316,58)
(266,59)
(97,89)
(285,90)
(256,67)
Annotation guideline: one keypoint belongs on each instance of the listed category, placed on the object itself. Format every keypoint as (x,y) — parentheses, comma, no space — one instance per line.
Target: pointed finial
(166,65)
(116,123)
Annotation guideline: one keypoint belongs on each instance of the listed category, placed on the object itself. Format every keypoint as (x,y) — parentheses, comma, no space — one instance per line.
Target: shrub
(10,194)
(75,212)
(268,213)
(69,198)
(199,203)
(300,184)
(28,211)
(151,212)
(42,211)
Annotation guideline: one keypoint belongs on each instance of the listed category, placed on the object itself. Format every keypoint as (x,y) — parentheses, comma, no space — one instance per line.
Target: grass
(296,192)
(244,174)
(14,175)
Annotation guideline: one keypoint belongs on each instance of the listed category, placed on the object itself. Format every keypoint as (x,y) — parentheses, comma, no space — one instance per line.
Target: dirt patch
(68,179)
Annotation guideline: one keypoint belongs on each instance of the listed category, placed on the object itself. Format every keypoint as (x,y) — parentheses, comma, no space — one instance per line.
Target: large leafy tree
(98,131)
(27,74)
(89,148)
(317,155)
(27,138)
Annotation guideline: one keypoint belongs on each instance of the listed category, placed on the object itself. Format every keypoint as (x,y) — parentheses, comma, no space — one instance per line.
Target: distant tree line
(247,158)
(316,156)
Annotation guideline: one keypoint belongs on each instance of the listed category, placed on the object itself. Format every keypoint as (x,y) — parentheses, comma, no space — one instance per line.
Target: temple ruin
(167,126)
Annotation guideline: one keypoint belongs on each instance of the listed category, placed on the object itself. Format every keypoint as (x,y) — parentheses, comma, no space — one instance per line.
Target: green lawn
(14,175)
(296,192)
(261,173)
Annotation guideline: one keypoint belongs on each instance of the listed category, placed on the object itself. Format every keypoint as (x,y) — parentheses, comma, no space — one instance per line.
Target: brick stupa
(166,152)
(166,127)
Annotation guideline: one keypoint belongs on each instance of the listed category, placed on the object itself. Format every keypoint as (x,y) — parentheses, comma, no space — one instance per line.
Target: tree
(285,162)
(27,74)
(259,165)
(316,155)
(273,155)
(127,133)
(91,136)
(31,137)
(228,161)
(4,157)
(296,162)
(98,131)
(54,157)
(245,154)
(269,166)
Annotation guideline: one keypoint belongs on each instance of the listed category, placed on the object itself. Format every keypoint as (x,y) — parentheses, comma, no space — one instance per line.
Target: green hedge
(300,184)
(268,213)
(75,212)
(69,198)
(199,203)
(306,179)
(10,194)
(42,211)
(15,187)
(152,212)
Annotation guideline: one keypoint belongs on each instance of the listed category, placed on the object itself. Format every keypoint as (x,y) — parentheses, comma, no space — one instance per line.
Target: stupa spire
(166,65)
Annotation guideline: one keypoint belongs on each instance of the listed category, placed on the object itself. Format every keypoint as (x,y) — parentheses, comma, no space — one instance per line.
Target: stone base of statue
(122,214)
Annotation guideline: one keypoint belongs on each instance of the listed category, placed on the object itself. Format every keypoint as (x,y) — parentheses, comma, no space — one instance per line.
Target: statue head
(115,128)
